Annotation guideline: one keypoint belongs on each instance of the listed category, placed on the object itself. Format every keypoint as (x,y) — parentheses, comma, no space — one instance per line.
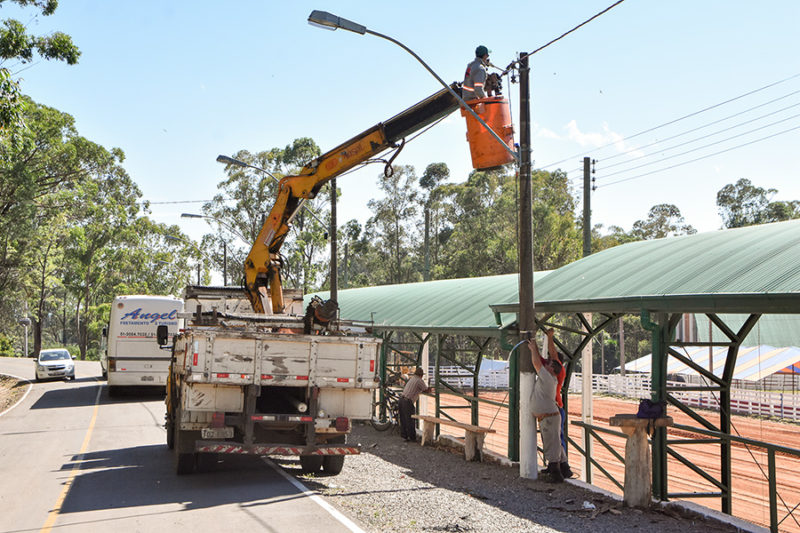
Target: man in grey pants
(545,408)
(411,392)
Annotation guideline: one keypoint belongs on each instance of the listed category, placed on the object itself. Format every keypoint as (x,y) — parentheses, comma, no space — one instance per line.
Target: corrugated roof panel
(777,330)
(442,304)
(753,260)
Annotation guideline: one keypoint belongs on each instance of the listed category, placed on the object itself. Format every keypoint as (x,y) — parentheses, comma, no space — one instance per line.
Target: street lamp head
(191,215)
(230,161)
(329,21)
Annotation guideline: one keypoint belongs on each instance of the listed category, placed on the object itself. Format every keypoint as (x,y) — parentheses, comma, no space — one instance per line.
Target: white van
(132,356)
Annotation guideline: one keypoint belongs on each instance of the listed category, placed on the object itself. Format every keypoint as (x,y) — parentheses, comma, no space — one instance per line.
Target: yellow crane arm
(263,264)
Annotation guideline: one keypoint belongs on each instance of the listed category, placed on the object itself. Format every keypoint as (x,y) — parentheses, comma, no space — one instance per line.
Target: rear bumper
(273,449)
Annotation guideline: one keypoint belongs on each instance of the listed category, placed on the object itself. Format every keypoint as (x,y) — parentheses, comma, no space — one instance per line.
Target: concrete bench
(638,467)
(473,435)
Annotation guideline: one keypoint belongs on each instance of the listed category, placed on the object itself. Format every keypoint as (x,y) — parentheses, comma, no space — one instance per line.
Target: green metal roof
(442,306)
(746,270)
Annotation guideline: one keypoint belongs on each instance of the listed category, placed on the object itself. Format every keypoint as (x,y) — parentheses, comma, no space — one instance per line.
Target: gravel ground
(398,486)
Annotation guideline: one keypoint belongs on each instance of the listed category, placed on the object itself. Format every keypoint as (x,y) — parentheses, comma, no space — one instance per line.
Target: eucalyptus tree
(18,47)
(744,204)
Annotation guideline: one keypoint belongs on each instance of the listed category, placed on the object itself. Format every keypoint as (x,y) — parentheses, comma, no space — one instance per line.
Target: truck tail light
(342,423)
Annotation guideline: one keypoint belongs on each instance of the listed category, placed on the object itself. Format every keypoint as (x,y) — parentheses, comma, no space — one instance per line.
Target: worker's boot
(554,472)
(566,471)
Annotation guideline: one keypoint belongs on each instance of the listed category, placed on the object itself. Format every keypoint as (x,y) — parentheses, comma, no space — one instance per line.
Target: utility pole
(427,271)
(224,264)
(587,208)
(345,273)
(334,246)
(527,319)
(587,380)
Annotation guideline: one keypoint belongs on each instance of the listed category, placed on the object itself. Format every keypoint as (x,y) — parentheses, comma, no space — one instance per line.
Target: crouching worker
(545,409)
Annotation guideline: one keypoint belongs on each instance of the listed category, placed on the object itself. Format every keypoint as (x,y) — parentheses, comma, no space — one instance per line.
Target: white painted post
(586,400)
(528,467)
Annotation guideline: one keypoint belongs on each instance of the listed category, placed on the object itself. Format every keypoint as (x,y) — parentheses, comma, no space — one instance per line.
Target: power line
(677,119)
(585,22)
(699,158)
(695,140)
(707,125)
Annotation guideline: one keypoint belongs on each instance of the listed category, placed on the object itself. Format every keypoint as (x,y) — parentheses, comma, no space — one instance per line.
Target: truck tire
(333,464)
(310,464)
(170,427)
(185,458)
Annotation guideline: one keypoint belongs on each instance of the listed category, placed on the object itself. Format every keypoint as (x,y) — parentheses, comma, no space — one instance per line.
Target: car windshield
(54,355)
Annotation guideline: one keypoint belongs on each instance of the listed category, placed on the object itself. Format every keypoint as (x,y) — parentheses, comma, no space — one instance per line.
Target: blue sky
(174,83)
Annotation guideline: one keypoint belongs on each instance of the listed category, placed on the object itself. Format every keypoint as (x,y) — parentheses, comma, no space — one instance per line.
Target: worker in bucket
(414,387)
(475,76)
(545,408)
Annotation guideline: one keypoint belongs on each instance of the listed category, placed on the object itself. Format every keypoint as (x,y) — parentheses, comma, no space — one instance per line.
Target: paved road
(72,459)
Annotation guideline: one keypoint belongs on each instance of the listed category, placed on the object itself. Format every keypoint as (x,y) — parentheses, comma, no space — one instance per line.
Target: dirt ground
(11,390)
(749,464)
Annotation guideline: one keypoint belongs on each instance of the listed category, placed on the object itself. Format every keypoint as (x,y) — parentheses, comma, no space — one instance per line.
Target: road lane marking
(30,386)
(51,518)
(346,522)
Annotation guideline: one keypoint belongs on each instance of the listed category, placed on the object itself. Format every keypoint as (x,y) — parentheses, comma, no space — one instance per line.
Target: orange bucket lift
(486,152)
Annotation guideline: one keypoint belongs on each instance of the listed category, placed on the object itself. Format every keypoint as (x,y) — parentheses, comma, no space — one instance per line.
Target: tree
(434,175)
(663,220)
(16,44)
(480,236)
(394,227)
(247,196)
(744,204)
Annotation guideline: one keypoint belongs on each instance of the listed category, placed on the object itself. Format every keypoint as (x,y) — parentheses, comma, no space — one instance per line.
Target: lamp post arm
(514,154)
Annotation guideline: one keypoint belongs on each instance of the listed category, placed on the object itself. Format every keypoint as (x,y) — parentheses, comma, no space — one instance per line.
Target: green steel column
(382,373)
(513,406)
(439,345)
(475,391)
(658,385)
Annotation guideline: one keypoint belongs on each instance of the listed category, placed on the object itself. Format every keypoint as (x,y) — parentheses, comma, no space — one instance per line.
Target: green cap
(482,51)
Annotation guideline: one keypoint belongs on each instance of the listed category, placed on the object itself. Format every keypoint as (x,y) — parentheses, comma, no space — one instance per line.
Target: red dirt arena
(750,488)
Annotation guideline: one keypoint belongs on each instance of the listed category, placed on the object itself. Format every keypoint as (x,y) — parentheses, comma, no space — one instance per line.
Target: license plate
(217,433)
(148,378)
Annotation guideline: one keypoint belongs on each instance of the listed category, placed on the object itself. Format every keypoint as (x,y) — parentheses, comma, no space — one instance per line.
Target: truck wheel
(206,462)
(170,427)
(310,464)
(333,464)
(184,463)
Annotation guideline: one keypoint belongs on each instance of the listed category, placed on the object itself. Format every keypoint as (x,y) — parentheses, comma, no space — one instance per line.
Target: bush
(6,346)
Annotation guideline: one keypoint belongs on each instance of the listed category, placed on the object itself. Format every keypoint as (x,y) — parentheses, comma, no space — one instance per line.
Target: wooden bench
(474,435)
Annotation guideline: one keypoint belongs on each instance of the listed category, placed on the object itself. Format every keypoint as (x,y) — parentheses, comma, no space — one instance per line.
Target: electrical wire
(585,22)
(698,158)
(754,91)
(605,159)
(693,149)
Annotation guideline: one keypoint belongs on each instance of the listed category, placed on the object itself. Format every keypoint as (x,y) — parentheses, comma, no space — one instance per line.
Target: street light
(329,21)
(231,161)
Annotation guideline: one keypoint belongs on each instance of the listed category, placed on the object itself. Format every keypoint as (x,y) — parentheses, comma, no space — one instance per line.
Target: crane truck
(253,372)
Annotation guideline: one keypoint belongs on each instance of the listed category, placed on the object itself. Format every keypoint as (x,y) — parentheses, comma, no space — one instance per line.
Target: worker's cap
(419,371)
(482,51)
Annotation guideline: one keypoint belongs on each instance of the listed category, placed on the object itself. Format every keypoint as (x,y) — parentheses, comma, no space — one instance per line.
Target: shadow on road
(84,393)
(144,476)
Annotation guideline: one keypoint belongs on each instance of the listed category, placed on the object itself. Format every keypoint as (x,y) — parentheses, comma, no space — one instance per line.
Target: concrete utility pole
(527,322)
(334,246)
(224,264)
(587,208)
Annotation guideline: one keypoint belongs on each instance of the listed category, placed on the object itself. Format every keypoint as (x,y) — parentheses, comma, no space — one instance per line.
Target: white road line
(346,522)
(30,386)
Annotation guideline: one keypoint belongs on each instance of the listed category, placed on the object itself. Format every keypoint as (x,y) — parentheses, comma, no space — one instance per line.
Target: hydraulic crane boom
(263,263)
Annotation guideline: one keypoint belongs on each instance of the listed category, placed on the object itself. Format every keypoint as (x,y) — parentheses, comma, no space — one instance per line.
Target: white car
(55,364)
